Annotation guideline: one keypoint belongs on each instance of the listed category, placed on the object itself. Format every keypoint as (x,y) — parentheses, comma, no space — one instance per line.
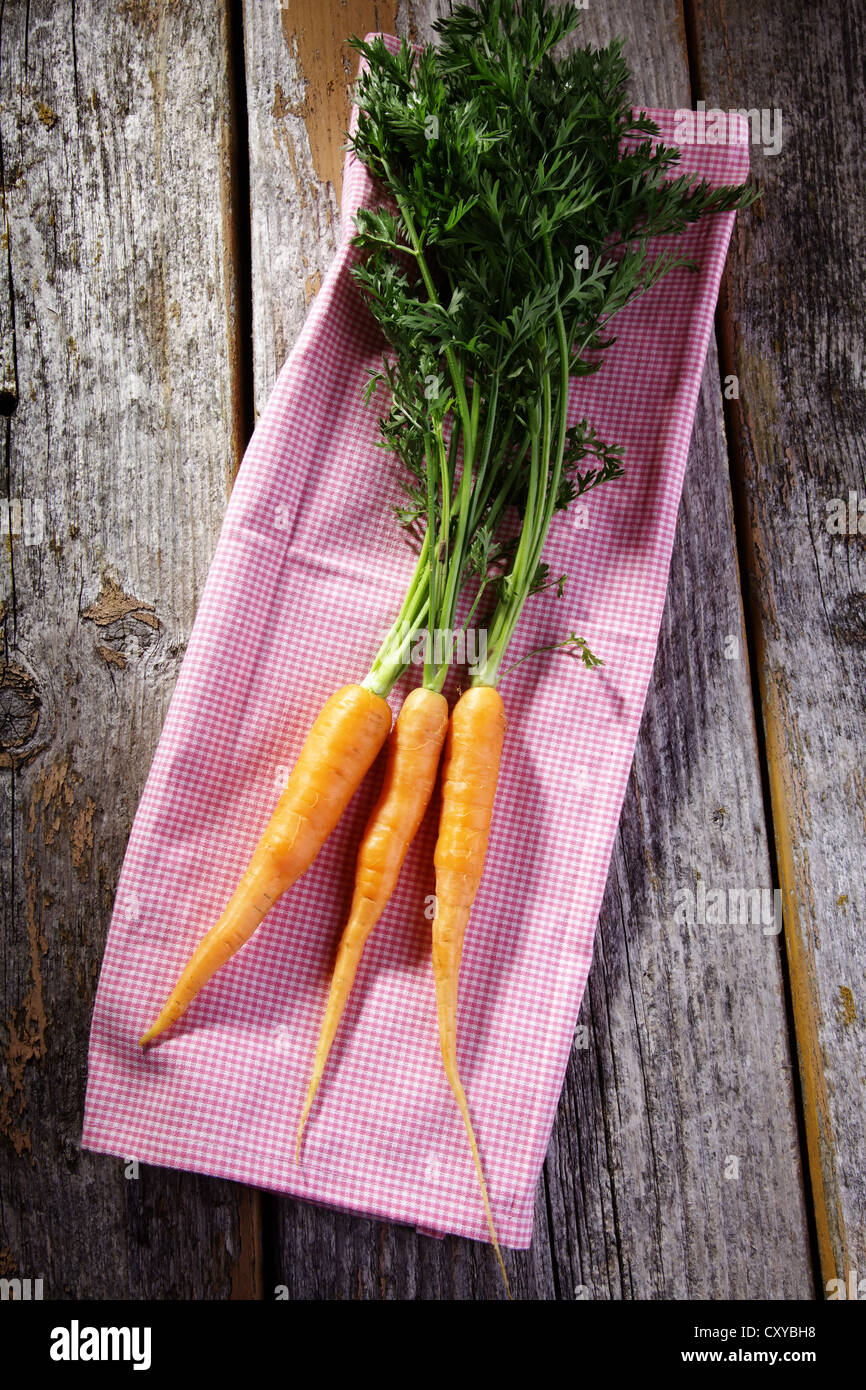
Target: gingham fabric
(309,571)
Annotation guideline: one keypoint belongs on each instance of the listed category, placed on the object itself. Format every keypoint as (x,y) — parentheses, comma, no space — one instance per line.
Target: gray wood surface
(793,331)
(675,1171)
(115,161)
(676,1165)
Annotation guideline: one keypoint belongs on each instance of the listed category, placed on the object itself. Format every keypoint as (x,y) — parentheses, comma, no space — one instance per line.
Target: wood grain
(793,332)
(687,1064)
(298,72)
(115,129)
(674,1170)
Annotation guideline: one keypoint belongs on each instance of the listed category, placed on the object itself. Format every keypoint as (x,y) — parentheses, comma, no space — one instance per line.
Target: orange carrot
(339,749)
(414,748)
(469,775)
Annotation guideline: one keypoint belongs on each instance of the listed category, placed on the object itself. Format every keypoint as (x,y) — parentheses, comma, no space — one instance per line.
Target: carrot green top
(521,197)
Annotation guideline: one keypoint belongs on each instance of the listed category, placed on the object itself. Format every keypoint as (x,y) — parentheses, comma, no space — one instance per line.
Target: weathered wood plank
(794,322)
(687,1061)
(682,1061)
(675,1170)
(115,128)
(298,71)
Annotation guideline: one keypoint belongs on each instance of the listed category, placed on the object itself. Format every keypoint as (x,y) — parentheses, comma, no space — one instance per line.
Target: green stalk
(562,421)
(388,664)
(545,151)
(503,494)
(442,617)
(434,675)
(456,376)
(540,508)
(439,566)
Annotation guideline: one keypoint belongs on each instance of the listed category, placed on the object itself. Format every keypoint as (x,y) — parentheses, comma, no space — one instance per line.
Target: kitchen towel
(309,571)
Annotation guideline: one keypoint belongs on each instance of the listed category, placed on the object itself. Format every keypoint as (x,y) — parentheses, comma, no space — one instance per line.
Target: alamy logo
(77,1343)
(715,127)
(466,646)
(853,1287)
(24,517)
(730,907)
(20,1290)
(847,518)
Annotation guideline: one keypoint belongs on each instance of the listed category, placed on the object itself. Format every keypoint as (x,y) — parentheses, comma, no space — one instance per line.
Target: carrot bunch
(521,194)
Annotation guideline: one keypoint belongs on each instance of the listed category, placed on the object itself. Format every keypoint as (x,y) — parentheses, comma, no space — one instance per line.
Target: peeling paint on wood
(113,604)
(316,35)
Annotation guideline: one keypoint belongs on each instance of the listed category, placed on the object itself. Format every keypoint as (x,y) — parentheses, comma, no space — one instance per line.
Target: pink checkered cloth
(309,571)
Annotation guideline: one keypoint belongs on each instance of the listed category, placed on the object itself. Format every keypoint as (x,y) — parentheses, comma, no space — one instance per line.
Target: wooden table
(171,174)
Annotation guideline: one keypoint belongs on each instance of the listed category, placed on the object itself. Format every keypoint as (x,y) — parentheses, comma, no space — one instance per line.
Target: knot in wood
(20,704)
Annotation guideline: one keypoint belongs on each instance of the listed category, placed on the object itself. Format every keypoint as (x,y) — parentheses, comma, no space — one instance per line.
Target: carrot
(414,748)
(469,776)
(340,747)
